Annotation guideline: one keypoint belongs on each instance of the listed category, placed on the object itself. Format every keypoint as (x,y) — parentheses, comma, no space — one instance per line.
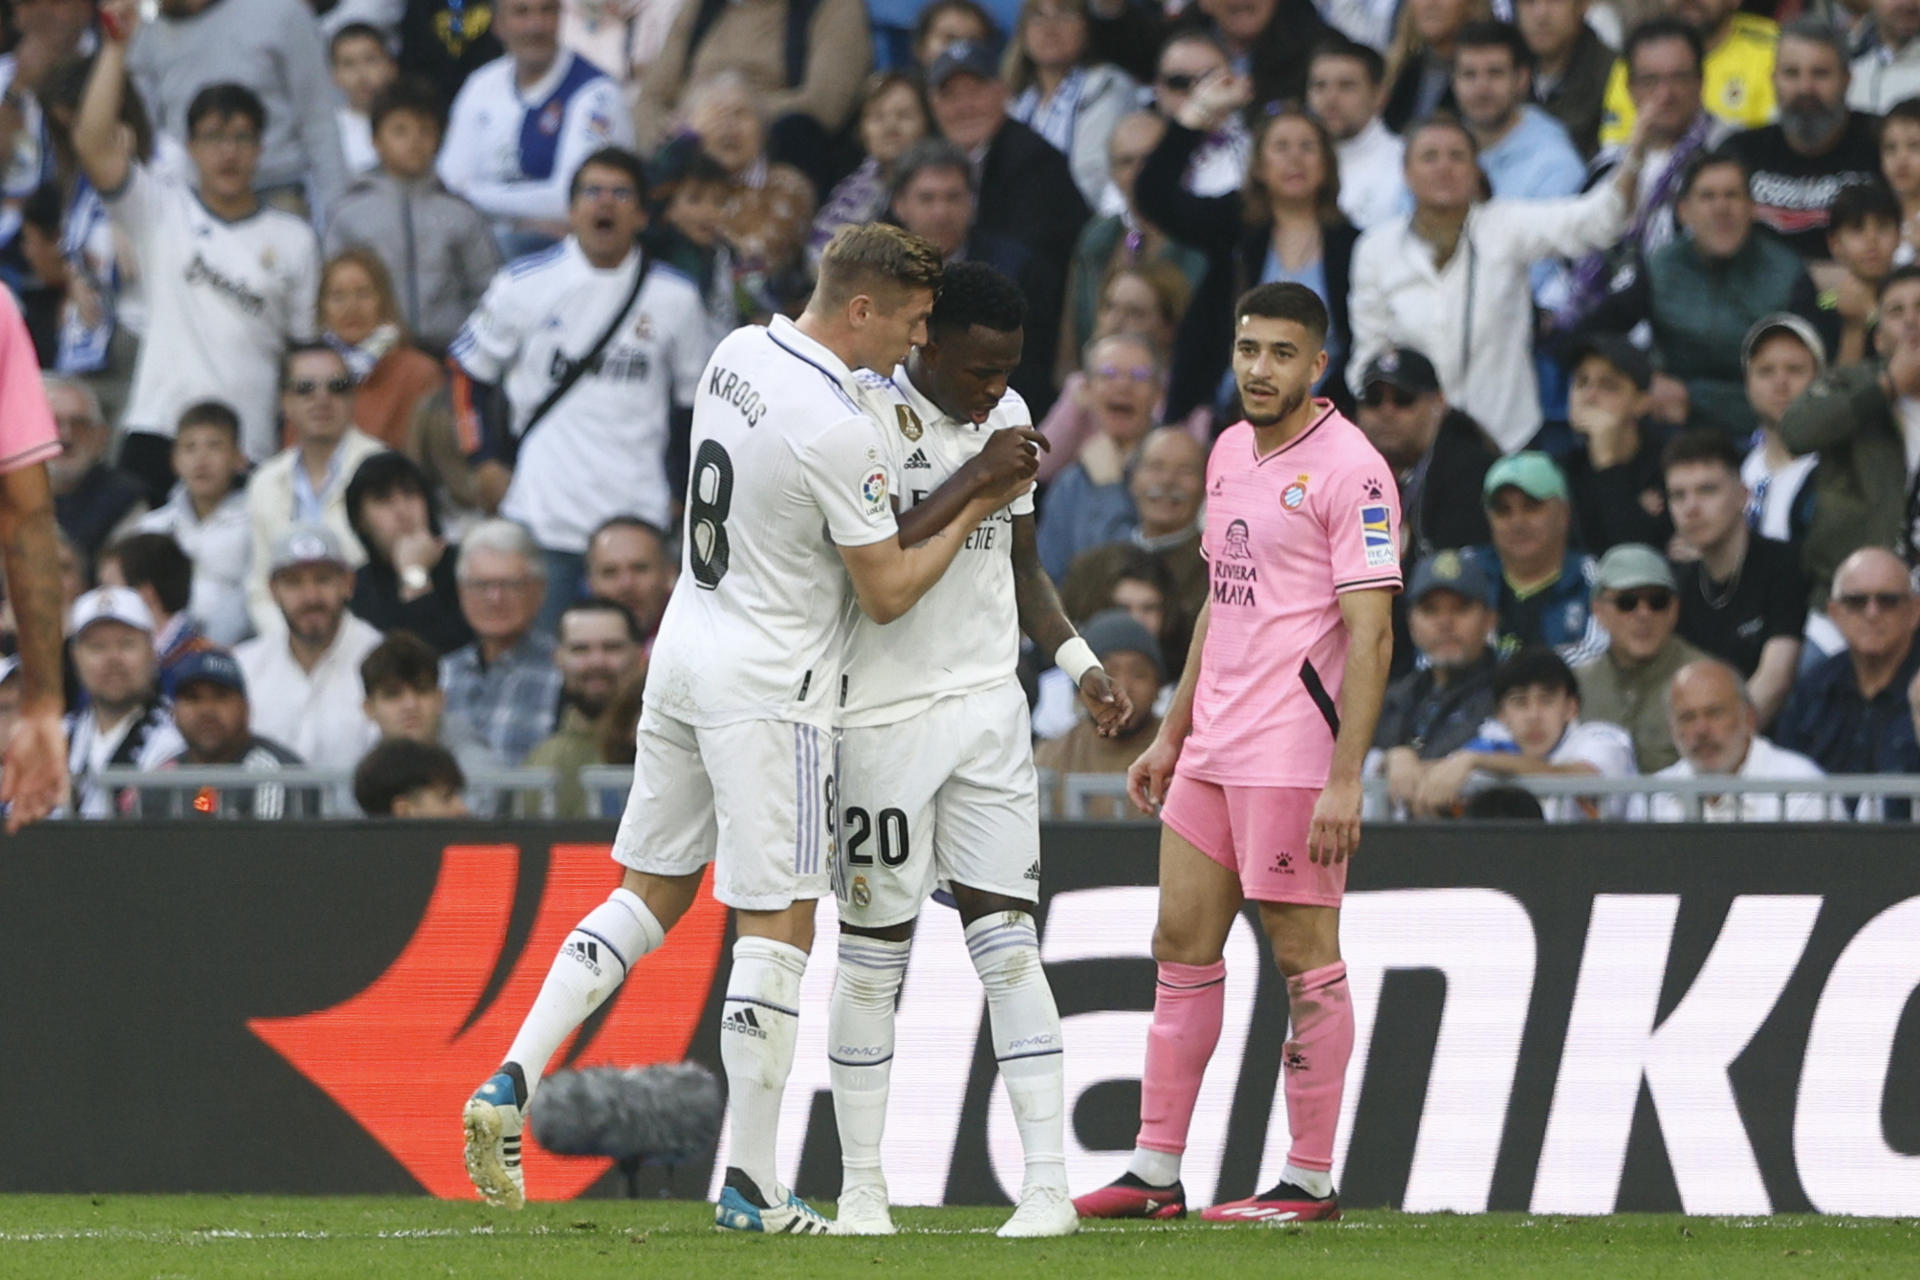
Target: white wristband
(1075,657)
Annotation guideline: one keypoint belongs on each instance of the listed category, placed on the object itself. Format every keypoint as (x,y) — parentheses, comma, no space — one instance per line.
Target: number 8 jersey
(786,466)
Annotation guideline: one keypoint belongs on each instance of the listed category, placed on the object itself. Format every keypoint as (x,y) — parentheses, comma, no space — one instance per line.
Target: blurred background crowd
(1659,453)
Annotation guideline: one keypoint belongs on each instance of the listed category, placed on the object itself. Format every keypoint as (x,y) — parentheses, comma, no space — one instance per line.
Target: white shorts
(756,799)
(949,796)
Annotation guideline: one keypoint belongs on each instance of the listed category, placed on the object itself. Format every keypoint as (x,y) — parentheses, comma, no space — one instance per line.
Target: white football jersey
(964,634)
(223,300)
(787,465)
(601,451)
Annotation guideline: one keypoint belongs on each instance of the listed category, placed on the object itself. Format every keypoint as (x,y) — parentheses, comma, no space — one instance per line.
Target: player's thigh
(987,812)
(883,865)
(1199,875)
(773,799)
(668,827)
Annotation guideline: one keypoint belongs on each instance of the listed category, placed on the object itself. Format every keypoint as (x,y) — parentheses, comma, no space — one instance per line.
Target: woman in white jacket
(1060,95)
(1451,278)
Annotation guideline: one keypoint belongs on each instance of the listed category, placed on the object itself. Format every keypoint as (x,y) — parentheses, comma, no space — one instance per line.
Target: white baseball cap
(110,604)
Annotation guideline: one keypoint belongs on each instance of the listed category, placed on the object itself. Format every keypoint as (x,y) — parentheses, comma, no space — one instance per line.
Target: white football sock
(592,962)
(1155,1168)
(1315,1182)
(1026,1038)
(758,1025)
(866,992)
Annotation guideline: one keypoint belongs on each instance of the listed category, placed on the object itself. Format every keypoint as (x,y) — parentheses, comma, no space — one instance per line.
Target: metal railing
(529,792)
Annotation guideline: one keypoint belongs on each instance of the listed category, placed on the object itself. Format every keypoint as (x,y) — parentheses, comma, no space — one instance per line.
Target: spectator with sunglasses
(1219,164)
(1851,713)
(306,483)
(1637,601)
(1436,451)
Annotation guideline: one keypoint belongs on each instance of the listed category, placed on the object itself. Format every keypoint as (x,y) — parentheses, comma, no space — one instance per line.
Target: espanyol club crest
(1294,494)
(550,118)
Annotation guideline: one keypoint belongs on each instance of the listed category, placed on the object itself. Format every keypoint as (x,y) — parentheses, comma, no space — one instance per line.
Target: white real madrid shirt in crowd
(513,153)
(315,714)
(1765,762)
(787,466)
(964,634)
(223,301)
(219,547)
(601,451)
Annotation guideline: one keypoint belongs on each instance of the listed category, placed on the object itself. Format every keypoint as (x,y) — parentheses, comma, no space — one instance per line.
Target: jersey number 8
(709,498)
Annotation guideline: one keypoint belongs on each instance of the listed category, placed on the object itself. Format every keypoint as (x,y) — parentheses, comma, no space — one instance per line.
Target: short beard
(1286,410)
(1808,128)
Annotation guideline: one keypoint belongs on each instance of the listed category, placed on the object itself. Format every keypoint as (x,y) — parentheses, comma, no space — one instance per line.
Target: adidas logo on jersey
(743,1021)
(917,461)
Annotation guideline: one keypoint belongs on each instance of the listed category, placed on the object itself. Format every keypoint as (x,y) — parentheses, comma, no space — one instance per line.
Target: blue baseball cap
(1450,571)
(212,666)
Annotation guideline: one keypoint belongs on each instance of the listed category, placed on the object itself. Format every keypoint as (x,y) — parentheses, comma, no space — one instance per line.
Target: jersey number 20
(709,497)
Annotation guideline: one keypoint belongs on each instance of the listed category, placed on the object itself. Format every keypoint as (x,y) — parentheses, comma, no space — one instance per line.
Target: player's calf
(860,1035)
(1025,1025)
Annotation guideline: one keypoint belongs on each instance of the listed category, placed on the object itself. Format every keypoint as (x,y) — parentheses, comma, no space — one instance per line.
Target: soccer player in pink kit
(1263,745)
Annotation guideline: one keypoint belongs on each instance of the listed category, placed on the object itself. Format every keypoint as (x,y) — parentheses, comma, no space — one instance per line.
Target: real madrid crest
(862,895)
(909,421)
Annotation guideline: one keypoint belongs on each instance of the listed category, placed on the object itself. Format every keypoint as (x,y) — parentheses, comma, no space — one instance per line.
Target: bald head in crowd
(1712,719)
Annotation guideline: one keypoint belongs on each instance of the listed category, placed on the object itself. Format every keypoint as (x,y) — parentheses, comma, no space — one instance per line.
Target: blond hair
(869,256)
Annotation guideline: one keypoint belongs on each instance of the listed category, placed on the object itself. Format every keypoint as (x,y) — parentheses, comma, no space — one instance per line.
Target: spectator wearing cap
(211,711)
(1434,710)
(1166,485)
(1613,468)
(1866,490)
(1781,357)
(1700,293)
(401,778)
(1636,601)
(1743,597)
(1538,727)
(1132,657)
(504,686)
(306,483)
(206,515)
(92,501)
(305,674)
(1436,451)
(401,678)
(1026,189)
(407,582)
(125,722)
(1849,713)
(1542,587)
(158,571)
(1715,727)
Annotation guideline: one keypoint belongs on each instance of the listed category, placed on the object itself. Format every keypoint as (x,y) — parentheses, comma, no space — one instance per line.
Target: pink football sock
(1316,1062)
(1189,1001)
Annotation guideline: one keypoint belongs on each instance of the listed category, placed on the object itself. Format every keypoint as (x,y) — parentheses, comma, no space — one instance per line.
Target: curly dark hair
(974,293)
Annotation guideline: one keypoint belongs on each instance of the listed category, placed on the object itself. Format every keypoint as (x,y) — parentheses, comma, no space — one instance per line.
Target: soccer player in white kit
(937,778)
(788,499)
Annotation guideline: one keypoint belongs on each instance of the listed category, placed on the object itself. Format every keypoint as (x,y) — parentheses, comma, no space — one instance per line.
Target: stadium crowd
(369,333)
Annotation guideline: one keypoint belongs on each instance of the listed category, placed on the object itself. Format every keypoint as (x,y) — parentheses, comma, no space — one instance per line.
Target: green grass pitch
(215,1237)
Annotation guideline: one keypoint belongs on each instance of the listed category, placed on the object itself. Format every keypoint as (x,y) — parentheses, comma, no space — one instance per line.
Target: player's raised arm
(105,145)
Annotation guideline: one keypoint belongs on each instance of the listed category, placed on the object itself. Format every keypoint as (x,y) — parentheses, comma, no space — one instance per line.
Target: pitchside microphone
(661,1115)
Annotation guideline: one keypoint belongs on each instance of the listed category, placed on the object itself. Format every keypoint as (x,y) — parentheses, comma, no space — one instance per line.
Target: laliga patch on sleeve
(1376,535)
(873,492)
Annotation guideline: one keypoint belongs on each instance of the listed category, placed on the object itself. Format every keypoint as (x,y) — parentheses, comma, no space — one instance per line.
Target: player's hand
(1148,776)
(1006,465)
(119,19)
(1106,701)
(1334,835)
(34,781)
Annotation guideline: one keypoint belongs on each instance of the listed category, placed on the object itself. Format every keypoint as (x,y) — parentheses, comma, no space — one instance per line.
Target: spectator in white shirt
(228,282)
(1346,90)
(304,681)
(126,723)
(1716,728)
(362,67)
(306,483)
(1781,357)
(1536,729)
(522,124)
(1452,277)
(207,515)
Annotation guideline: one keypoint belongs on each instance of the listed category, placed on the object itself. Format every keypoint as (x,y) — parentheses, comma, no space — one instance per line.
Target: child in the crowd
(362,67)
(1900,165)
(438,248)
(401,778)
(1863,235)
(207,515)
(690,190)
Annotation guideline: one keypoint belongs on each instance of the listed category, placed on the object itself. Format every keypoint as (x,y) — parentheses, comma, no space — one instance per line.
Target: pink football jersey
(27,433)
(1285,535)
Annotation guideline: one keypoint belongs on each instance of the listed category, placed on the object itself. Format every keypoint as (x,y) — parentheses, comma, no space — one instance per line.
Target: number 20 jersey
(786,465)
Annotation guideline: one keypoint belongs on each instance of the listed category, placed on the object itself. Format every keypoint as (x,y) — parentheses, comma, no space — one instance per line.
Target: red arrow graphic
(394,1058)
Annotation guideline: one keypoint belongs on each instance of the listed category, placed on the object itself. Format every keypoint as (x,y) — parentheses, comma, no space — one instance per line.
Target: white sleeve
(595,118)
(1019,415)
(1610,753)
(139,209)
(1529,230)
(489,341)
(1369,314)
(850,481)
(303,292)
(458,165)
(691,341)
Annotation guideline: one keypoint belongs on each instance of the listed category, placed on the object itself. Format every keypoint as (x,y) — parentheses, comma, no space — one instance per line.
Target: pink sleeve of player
(1363,529)
(27,434)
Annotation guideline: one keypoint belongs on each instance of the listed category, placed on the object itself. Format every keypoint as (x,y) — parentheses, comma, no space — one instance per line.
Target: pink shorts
(1260,832)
